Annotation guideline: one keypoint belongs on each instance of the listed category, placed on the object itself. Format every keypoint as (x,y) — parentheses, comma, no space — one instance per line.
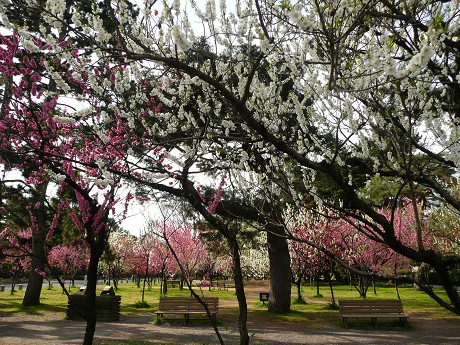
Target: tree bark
(91,297)
(240,294)
(279,300)
(97,245)
(298,283)
(35,282)
(332,290)
(317,285)
(451,290)
(422,274)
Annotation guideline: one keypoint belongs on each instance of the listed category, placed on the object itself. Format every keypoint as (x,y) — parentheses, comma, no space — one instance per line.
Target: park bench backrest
(107,307)
(188,304)
(173,303)
(212,303)
(371,306)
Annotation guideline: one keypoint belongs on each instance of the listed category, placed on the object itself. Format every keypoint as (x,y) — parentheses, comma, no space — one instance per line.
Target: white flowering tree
(115,259)
(293,93)
(254,258)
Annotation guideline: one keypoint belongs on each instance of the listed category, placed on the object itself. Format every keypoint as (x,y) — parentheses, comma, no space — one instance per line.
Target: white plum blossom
(176,6)
(4,3)
(420,60)
(57,9)
(31,46)
(60,177)
(64,120)
(179,39)
(76,18)
(58,79)
(5,21)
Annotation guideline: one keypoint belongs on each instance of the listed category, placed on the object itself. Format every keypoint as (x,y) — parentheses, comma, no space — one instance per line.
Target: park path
(50,329)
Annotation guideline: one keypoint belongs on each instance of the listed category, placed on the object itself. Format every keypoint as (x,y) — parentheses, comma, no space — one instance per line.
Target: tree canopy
(303,103)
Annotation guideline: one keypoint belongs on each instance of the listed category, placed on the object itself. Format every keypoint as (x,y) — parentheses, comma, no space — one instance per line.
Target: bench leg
(186,318)
(374,322)
(404,321)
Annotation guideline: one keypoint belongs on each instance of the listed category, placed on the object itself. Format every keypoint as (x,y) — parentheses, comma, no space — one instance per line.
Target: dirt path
(50,329)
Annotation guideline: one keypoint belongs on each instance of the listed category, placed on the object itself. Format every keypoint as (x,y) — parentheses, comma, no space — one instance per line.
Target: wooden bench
(186,306)
(172,282)
(107,307)
(229,284)
(373,309)
(216,284)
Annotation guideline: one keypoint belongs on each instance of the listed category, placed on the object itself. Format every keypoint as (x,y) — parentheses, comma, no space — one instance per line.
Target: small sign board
(264,297)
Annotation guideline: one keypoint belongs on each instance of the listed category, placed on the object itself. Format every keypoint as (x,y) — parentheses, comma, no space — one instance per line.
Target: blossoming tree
(68,260)
(374,92)
(43,145)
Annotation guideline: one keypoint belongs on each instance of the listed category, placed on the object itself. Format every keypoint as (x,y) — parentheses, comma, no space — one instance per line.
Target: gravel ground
(50,329)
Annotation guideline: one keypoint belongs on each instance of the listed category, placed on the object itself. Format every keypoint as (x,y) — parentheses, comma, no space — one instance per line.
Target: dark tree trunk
(422,274)
(449,287)
(165,286)
(145,278)
(333,303)
(298,283)
(35,282)
(280,273)
(240,294)
(97,248)
(317,286)
(91,297)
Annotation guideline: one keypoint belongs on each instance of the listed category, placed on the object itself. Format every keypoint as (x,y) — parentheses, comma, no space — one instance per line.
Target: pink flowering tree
(306,261)
(322,236)
(162,263)
(49,144)
(145,252)
(362,254)
(223,265)
(189,252)
(25,205)
(68,260)
(16,247)
(115,261)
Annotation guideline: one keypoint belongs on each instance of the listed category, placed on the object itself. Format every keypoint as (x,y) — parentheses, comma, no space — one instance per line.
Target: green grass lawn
(316,310)
(55,300)
(413,301)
